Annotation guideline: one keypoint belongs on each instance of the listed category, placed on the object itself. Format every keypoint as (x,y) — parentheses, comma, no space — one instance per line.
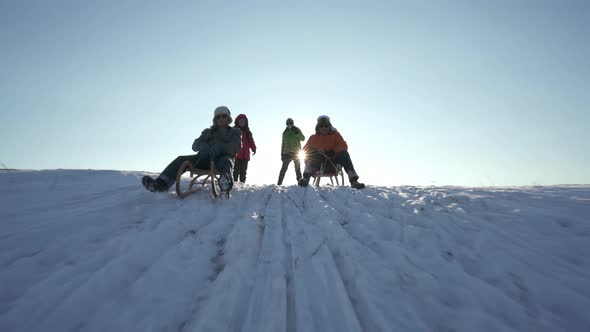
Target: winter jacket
(247,140)
(333,141)
(224,142)
(291,141)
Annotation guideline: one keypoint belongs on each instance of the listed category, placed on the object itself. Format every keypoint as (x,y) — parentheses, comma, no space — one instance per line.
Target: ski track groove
(226,228)
(333,256)
(219,246)
(242,319)
(291,319)
(220,243)
(198,310)
(270,276)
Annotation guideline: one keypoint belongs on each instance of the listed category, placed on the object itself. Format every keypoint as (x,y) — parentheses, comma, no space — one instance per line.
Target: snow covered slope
(93,251)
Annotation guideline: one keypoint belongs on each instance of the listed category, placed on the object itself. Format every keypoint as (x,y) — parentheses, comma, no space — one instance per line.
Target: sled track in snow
(289,275)
(93,251)
(336,257)
(218,260)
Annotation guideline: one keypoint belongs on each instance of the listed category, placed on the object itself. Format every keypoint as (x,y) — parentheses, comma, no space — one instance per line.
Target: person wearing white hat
(221,142)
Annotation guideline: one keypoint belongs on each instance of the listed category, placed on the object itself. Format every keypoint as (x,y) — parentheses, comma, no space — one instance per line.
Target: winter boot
(357,185)
(157,185)
(225,185)
(304,181)
(354,180)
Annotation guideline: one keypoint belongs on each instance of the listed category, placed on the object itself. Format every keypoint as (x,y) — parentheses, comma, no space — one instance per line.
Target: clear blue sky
(427,92)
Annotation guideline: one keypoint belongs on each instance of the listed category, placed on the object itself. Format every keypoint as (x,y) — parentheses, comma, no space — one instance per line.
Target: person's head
(290,123)
(222,117)
(242,121)
(324,126)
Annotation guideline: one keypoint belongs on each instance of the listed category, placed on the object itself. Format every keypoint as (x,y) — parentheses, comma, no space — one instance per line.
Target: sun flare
(301,154)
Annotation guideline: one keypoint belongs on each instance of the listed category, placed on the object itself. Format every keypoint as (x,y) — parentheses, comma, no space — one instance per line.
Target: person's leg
(297,167)
(343,158)
(204,161)
(243,170)
(168,176)
(312,163)
(224,168)
(284,168)
(237,169)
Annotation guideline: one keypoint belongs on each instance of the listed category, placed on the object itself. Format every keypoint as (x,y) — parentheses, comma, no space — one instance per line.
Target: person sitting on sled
(290,147)
(243,157)
(220,142)
(327,143)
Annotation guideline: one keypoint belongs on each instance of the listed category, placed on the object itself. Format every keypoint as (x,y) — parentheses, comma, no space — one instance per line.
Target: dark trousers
(240,170)
(315,159)
(202,160)
(286,162)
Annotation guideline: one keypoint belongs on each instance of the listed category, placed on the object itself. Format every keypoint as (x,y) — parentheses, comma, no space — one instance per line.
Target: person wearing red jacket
(243,157)
(327,143)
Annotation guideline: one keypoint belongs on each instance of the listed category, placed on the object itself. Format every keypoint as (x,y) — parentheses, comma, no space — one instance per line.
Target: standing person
(327,143)
(292,138)
(243,157)
(220,142)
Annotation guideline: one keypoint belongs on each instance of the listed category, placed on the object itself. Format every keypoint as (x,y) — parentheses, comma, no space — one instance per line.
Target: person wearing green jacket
(292,138)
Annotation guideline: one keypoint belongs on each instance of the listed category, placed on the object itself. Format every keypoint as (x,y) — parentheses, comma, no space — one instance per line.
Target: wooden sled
(195,175)
(329,169)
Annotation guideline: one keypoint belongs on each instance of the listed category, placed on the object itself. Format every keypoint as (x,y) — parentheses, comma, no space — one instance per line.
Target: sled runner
(328,169)
(195,175)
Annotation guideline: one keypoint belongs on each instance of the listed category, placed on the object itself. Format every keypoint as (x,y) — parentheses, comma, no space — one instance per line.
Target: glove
(197,145)
(330,153)
(254,152)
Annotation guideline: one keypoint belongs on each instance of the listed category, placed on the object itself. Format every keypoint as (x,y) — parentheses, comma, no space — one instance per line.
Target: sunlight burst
(301,155)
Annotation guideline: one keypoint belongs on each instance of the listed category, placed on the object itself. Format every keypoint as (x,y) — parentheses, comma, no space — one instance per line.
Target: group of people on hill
(229,147)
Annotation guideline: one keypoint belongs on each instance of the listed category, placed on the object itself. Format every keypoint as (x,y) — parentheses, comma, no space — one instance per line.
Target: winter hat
(222,110)
(290,121)
(323,120)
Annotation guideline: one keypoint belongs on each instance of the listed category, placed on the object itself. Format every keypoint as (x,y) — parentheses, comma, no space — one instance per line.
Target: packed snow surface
(94,251)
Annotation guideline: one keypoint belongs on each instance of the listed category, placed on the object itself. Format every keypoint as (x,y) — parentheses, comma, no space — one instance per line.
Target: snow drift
(93,251)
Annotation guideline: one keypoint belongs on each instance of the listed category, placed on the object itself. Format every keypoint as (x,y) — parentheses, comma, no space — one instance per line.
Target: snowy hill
(93,251)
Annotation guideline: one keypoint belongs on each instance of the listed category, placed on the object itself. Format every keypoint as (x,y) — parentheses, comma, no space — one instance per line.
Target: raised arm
(300,135)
